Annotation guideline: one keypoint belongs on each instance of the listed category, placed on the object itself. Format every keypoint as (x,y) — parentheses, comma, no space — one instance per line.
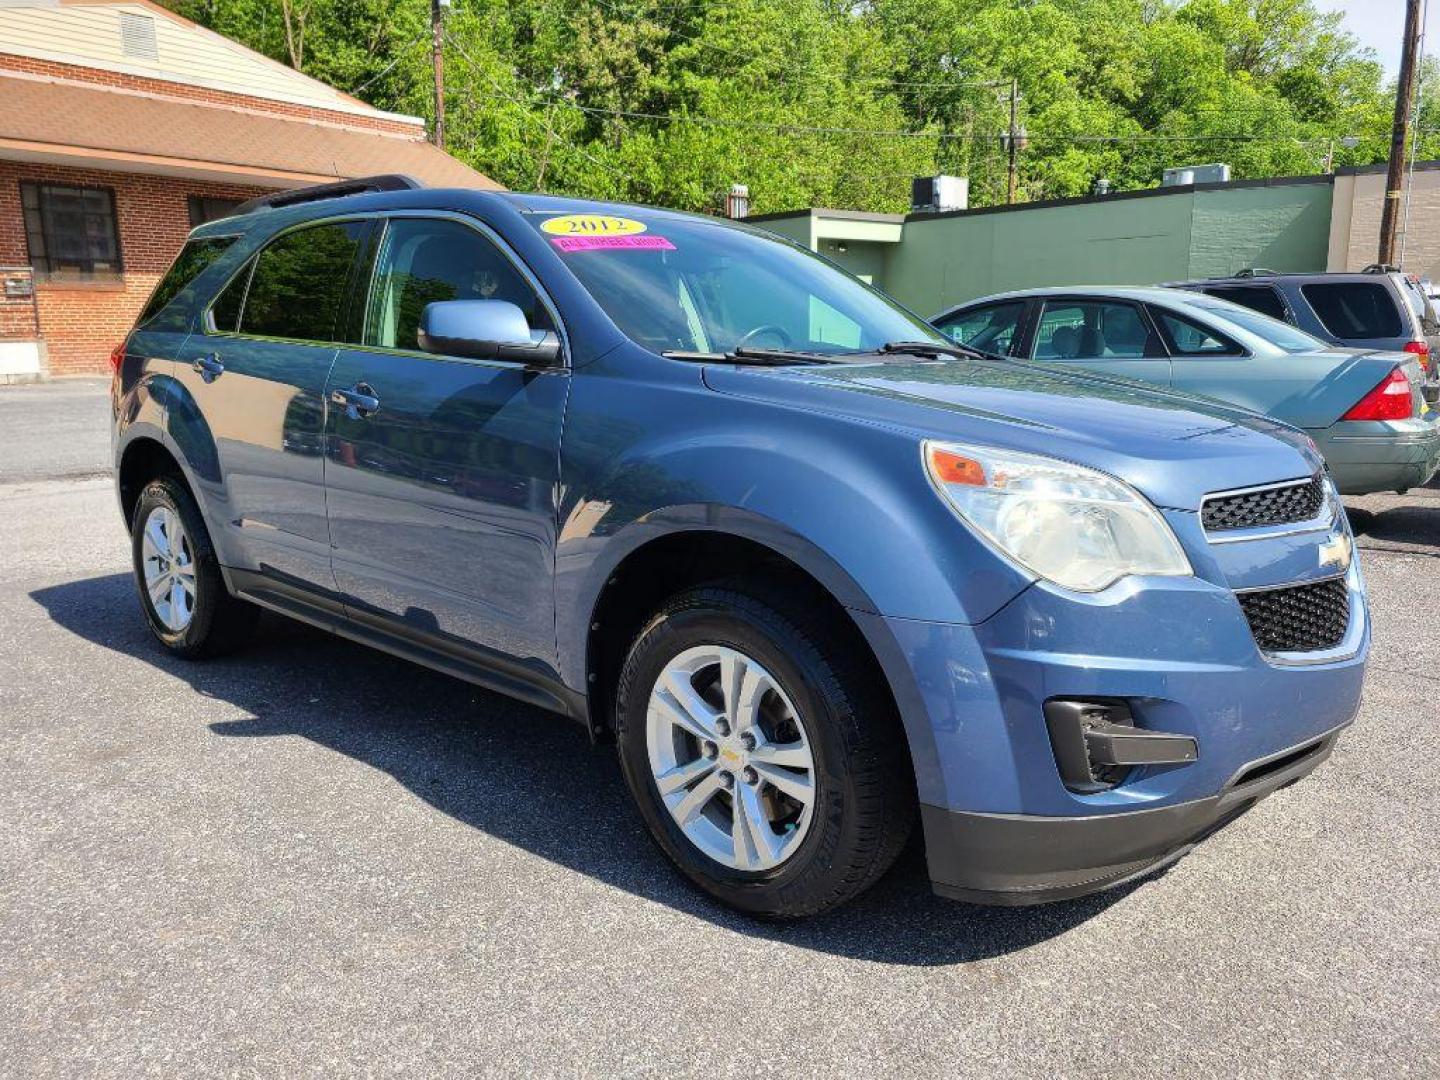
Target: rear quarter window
(1354,309)
(194,259)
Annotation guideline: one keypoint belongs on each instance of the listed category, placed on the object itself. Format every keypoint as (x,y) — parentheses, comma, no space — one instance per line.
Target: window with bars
(205,208)
(71,229)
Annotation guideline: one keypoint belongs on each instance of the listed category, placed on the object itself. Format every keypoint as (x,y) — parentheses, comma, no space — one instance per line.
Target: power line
(944,136)
(525,107)
(400,55)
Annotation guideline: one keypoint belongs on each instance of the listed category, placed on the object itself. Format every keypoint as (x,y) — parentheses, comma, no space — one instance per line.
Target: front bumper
(1002,826)
(1013,860)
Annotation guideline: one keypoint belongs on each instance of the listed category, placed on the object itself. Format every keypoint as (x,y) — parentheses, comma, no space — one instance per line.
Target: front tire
(182,591)
(765,758)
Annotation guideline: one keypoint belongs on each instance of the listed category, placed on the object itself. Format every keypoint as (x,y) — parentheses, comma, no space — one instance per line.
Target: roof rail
(1256,271)
(1381,268)
(358,186)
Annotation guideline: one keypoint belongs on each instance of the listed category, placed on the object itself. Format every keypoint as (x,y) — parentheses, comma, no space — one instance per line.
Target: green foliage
(839,102)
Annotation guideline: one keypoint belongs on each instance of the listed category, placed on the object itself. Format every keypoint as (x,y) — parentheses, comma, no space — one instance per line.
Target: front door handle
(208,367)
(358,402)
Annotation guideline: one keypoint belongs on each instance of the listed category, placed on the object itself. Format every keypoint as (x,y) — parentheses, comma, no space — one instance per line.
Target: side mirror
(485,330)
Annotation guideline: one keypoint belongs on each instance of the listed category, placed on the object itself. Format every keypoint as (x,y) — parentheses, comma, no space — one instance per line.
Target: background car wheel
(765,759)
(181,589)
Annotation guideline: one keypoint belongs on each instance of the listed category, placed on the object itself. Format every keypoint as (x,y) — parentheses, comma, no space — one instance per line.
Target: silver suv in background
(1378,308)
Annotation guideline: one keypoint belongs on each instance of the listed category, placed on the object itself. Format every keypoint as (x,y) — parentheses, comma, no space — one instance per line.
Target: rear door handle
(358,402)
(208,367)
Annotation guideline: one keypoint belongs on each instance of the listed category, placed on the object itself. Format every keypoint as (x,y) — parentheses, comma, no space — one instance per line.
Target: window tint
(423,261)
(70,228)
(298,286)
(990,329)
(1091,330)
(1189,338)
(1354,309)
(193,259)
(1259,298)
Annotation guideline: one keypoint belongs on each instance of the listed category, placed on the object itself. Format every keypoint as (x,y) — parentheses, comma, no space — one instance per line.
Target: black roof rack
(1256,271)
(1381,268)
(358,186)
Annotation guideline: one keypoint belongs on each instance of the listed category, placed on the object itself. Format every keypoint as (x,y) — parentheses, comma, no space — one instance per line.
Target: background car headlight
(1074,526)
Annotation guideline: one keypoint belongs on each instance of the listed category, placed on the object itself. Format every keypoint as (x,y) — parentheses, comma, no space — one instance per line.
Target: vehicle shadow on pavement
(1411,526)
(527,777)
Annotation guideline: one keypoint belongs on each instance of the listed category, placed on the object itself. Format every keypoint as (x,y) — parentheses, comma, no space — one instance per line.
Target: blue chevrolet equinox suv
(815,569)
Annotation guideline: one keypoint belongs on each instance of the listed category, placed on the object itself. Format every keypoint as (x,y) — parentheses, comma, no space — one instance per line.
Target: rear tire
(823,782)
(182,591)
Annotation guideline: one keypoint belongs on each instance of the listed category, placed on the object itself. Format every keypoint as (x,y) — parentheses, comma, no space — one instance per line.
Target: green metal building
(929,261)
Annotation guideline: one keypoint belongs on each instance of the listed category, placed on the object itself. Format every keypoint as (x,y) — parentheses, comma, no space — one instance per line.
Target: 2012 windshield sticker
(592,225)
(598,243)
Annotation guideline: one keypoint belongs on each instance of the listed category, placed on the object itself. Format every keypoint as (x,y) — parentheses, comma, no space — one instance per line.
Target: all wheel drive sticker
(591,232)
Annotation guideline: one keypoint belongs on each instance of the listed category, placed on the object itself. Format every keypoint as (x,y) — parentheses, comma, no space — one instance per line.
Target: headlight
(1075,526)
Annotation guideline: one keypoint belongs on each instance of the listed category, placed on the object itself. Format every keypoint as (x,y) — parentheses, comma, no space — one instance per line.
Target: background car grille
(1280,505)
(1298,618)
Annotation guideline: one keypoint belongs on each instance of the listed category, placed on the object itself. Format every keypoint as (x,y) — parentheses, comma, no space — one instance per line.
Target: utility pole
(1014,137)
(437,56)
(1404,95)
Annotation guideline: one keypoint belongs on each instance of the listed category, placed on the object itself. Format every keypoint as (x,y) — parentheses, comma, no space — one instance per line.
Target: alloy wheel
(730,758)
(168,564)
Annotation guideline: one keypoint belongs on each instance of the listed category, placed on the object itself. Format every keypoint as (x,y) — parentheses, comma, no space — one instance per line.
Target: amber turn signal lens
(951,468)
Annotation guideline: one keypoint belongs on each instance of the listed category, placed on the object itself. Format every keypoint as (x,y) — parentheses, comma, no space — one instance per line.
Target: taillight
(1420,349)
(117,357)
(1391,400)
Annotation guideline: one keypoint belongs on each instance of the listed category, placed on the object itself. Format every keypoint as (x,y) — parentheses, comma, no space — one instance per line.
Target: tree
(840,102)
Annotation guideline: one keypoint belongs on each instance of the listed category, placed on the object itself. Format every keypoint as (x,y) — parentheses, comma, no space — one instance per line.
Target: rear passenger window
(1354,309)
(1259,298)
(423,261)
(194,258)
(1092,330)
(298,285)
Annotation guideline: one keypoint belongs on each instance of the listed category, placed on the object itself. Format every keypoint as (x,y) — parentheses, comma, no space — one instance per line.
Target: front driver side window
(990,329)
(427,260)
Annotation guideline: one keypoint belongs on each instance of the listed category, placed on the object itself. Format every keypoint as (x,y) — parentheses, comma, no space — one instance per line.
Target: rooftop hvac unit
(935,194)
(1196,174)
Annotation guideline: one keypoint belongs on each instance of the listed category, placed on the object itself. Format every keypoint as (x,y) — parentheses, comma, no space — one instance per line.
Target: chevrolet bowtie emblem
(1336,552)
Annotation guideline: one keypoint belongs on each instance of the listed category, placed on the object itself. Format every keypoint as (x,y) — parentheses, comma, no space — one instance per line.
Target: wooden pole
(437,55)
(1399,133)
(1014,138)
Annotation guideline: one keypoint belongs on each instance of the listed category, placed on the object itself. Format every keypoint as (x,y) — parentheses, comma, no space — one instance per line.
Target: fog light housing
(1096,743)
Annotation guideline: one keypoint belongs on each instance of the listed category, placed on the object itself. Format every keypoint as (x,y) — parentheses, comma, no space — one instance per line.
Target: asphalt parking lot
(311,858)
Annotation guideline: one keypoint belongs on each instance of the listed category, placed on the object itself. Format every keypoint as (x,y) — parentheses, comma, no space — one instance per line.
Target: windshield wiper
(935,348)
(745,354)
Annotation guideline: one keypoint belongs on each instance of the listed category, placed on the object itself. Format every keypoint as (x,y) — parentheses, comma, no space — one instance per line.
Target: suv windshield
(683,285)
(1280,334)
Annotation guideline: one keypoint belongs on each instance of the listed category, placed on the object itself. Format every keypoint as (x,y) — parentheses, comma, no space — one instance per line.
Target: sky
(1380,24)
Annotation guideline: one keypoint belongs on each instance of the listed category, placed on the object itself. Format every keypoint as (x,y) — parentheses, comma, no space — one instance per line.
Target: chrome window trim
(1321,522)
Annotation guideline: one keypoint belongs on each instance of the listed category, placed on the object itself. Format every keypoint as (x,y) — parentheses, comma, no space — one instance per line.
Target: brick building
(122,126)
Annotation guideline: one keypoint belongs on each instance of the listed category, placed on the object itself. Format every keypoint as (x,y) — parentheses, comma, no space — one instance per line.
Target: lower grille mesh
(1298,618)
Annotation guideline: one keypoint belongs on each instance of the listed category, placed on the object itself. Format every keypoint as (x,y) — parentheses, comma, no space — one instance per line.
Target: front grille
(1298,618)
(1283,504)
